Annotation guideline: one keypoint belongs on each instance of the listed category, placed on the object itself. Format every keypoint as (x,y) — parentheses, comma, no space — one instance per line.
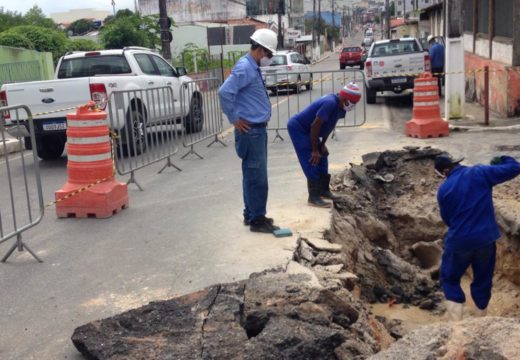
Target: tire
(342,66)
(309,85)
(194,121)
(298,85)
(133,136)
(371,96)
(50,147)
(274,91)
(361,66)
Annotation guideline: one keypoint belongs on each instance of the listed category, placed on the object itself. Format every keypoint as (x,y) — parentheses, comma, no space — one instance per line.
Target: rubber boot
(314,187)
(480,312)
(454,310)
(325,188)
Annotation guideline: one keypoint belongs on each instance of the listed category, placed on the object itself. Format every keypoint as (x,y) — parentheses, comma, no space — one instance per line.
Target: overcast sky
(50,6)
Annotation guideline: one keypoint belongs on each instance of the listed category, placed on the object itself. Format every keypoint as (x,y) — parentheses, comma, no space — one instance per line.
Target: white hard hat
(265,38)
(430,38)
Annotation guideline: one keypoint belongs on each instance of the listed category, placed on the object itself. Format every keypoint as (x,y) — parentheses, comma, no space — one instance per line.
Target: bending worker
(309,131)
(466,207)
(247,106)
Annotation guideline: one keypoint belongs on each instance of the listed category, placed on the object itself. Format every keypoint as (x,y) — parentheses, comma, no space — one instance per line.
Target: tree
(42,39)
(81,45)
(129,29)
(9,19)
(392,9)
(80,26)
(15,40)
(35,16)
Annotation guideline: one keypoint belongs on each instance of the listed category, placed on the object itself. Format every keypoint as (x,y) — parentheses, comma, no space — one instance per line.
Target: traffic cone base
(428,128)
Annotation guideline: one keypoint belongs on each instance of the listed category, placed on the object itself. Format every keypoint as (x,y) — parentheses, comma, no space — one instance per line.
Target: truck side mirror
(181,70)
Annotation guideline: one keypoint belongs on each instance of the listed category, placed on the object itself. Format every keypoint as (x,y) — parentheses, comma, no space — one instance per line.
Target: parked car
(390,66)
(351,56)
(289,70)
(82,76)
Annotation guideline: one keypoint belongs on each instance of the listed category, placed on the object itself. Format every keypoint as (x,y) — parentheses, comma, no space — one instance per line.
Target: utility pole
(280,30)
(166,35)
(114,7)
(454,95)
(313,27)
(319,23)
(387,19)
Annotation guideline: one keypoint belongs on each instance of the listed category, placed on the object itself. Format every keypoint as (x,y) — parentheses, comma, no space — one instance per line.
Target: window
(145,63)
(164,68)
(468,15)
(295,58)
(504,14)
(395,48)
(93,65)
(279,60)
(483,16)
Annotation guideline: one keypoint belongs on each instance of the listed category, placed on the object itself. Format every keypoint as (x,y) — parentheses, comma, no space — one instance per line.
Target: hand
(315,158)
(497,160)
(242,125)
(323,150)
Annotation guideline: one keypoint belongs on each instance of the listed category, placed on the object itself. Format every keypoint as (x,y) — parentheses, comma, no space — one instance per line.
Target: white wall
(468,42)
(185,34)
(503,52)
(482,47)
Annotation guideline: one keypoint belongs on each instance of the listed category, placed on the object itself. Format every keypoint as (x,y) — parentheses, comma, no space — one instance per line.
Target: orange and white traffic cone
(426,121)
(91,189)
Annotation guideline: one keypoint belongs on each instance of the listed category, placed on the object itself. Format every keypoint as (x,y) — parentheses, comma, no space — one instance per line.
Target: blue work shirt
(437,56)
(466,203)
(327,108)
(243,94)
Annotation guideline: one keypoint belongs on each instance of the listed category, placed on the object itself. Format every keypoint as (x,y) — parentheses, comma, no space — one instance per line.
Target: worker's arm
(315,138)
(508,169)
(228,93)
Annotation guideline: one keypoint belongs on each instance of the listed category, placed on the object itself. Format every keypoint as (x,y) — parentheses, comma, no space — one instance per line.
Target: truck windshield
(93,65)
(395,48)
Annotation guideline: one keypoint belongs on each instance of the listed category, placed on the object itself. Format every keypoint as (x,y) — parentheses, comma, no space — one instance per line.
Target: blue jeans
(302,145)
(251,147)
(454,265)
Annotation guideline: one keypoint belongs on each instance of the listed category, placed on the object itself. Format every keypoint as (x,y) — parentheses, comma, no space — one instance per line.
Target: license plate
(55,126)
(270,71)
(350,61)
(399,80)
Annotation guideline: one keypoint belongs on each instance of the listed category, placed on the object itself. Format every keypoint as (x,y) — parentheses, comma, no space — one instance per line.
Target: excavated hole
(391,232)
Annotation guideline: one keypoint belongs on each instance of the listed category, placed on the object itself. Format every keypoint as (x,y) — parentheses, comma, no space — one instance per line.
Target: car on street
(391,65)
(95,75)
(351,56)
(289,70)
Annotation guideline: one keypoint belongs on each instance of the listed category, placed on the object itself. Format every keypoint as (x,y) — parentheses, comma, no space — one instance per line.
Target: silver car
(288,71)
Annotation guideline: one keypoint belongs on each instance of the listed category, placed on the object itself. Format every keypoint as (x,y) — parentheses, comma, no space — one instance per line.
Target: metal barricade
(295,91)
(21,185)
(203,113)
(147,123)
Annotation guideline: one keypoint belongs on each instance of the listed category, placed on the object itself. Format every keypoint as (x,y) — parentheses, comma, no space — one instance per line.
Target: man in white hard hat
(245,102)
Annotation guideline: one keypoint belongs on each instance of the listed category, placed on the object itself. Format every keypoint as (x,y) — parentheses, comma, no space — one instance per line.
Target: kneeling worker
(309,131)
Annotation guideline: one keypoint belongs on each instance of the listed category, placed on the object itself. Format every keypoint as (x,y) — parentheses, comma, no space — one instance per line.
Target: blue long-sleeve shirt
(466,203)
(243,94)
(437,56)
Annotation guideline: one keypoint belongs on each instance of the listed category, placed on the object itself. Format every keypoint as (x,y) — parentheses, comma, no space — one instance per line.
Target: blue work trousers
(251,147)
(455,263)
(301,140)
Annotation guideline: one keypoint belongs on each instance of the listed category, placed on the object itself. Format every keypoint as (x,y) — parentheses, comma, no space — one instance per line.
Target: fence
(204,116)
(20,72)
(317,84)
(200,62)
(147,123)
(23,184)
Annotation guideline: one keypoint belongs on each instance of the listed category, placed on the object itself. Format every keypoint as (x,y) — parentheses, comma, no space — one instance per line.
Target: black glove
(497,160)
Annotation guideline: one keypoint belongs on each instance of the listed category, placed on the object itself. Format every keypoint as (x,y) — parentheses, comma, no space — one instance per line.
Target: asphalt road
(184,232)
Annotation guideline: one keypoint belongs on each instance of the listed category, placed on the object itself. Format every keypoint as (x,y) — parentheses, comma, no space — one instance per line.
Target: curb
(483,129)
(11,146)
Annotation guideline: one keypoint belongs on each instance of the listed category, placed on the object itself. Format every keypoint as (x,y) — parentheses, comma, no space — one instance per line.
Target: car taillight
(3,102)
(368,67)
(289,67)
(427,63)
(98,93)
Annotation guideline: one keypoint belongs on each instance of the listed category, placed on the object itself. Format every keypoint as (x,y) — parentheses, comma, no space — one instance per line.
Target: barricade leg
(217,140)
(167,165)
(192,151)
(132,180)
(278,136)
(20,245)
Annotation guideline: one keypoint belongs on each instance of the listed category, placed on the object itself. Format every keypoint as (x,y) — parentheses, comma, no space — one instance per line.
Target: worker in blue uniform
(466,207)
(309,131)
(436,52)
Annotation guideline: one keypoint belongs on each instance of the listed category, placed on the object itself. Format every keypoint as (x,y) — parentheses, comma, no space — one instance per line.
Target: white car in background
(289,70)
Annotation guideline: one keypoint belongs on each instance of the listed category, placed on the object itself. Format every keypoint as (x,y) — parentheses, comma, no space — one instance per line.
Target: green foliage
(378,19)
(80,26)
(15,40)
(9,19)
(392,9)
(129,29)
(35,16)
(81,45)
(42,39)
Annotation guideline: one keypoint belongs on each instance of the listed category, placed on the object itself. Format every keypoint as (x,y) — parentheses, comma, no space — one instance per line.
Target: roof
(236,22)
(397,22)
(304,38)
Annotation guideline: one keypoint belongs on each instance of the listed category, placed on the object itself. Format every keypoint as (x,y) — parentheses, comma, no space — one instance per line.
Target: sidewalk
(474,119)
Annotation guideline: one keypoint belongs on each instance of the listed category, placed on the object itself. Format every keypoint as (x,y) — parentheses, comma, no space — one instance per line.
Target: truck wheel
(50,147)
(133,136)
(371,96)
(194,121)
(308,86)
(342,66)
(298,85)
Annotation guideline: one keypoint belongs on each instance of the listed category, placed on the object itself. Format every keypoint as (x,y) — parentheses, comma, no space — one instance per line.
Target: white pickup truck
(392,64)
(94,75)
